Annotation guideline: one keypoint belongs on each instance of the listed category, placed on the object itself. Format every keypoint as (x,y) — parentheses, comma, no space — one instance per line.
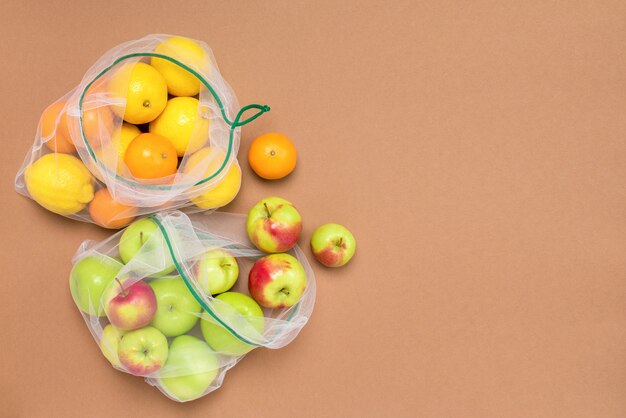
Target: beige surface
(476,150)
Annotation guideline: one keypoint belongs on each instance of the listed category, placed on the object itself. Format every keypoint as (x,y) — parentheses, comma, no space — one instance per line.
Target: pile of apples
(156,324)
(161,325)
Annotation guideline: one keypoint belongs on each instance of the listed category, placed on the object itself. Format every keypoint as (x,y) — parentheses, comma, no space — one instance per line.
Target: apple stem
(141,237)
(285,291)
(340,243)
(123,293)
(269,214)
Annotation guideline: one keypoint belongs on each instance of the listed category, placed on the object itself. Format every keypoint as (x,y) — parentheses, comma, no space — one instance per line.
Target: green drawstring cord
(262,109)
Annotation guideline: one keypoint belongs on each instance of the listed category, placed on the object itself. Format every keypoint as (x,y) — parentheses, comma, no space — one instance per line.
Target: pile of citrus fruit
(161,131)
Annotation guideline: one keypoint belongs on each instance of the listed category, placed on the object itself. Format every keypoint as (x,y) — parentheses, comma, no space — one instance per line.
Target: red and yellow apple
(143,351)
(130,305)
(277,281)
(274,225)
(333,245)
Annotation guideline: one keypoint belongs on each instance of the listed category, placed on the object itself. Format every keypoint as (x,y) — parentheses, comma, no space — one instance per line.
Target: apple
(143,351)
(177,310)
(274,225)
(89,279)
(333,245)
(109,342)
(216,272)
(190,369)
(233,308)
(145,235)
(277,281)
(131,306)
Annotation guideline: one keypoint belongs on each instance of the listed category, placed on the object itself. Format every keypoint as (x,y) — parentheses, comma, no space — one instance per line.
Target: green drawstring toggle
(262,109)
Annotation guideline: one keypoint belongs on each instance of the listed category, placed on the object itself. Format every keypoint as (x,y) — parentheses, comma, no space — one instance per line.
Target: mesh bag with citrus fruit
(180,299)
(153,125)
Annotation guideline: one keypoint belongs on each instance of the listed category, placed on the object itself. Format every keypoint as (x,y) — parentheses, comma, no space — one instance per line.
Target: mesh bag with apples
(152,125)
(179,299)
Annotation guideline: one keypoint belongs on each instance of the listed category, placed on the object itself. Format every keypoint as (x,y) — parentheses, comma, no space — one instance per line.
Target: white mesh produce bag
(194,336)
(77,149)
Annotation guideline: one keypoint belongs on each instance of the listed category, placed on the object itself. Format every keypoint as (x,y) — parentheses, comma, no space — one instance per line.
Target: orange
(60,140)
(98,117)
(98,123)
(272,156)
(109,213)
(151,156)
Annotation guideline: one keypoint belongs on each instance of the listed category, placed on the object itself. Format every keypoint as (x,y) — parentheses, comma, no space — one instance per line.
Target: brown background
(476,149)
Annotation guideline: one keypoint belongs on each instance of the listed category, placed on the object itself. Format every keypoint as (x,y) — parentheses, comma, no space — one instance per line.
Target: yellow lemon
(226,190)
(182,123)
(60,183)
(145,91)
(121,138)
(181,82)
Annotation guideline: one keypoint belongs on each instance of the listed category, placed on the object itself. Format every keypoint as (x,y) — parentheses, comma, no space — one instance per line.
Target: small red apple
(333,245)
(274,225)
(130,307)
(277,281)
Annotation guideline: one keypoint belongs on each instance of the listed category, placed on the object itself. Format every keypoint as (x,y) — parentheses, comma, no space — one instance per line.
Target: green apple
(274,225)
(89,278)
(235,308)
(333,245)
(177,310)
(216,272)
(143,351)
(109,342)
(190,369)
(146,236)
(277,281)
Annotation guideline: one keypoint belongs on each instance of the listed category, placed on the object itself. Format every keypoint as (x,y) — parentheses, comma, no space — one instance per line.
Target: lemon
(145,91)
(121,138)
(60,183)
(181,82)
(182,123)
(227,188)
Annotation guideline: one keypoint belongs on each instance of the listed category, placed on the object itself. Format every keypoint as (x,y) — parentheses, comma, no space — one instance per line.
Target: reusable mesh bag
(80,142)
(194,338)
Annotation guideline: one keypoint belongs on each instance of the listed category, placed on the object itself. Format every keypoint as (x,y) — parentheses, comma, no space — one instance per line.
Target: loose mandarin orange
(109,213)
(151,156)
(272,156)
